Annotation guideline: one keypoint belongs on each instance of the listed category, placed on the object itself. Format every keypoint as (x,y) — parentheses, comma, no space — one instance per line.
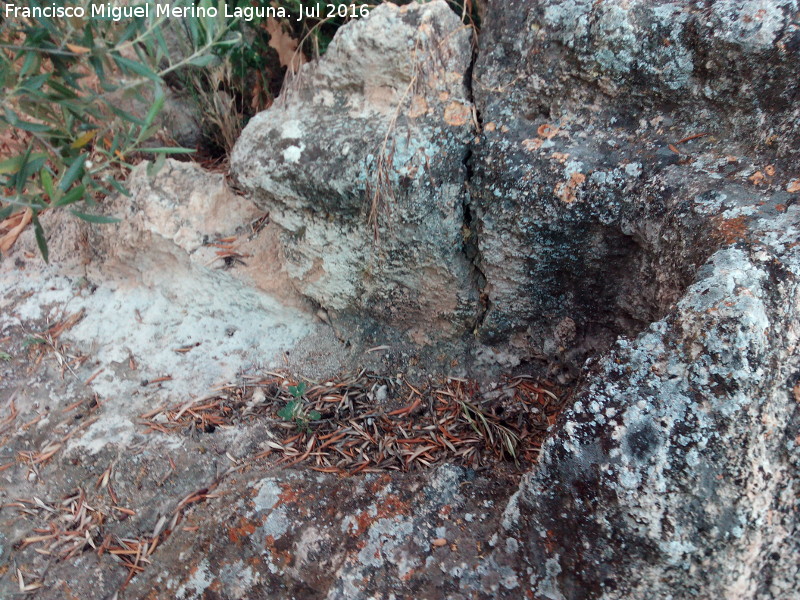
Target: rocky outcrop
(650,175)
(630,199)
(636,172)
(635,138)
(361,164)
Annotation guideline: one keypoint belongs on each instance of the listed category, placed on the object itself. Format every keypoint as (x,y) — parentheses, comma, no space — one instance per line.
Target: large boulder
(650,175)
(635,139)
(361,162)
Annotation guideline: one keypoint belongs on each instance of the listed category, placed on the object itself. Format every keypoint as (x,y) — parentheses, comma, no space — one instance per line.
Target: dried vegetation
(369,423)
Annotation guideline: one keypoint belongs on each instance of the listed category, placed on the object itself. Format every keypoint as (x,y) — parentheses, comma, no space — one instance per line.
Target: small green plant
(299,390)
(295,411)
(5,356)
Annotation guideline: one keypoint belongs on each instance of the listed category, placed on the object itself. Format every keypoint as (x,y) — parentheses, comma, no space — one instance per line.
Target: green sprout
(295,412)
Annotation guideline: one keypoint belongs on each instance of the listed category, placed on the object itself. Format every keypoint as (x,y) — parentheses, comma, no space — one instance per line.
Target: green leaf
(103,219)
(97,65)
(158,103)
(61,89)
(5,356)
(98,187)
(41,241)
(13,164)
(138,68)
(154,167)
(19,178)
(287,413)
(71,196)
(130,31)
(74,171)
(298,390)
(124,115)
(231,42)
(33,341)
(35,83)
(314,415)
(30,64)
(146,133)
(6,212)
(162,44)
(167,150)
(29,168)
(47,184)
(15,121)
(118,186)
(194,32)
(204,60)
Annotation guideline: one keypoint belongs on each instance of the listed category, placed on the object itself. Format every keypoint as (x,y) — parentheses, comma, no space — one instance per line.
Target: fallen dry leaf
(8,239)
(285,45)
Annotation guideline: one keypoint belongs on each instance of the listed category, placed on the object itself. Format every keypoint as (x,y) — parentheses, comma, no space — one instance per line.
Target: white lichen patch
(198,582)
(292,129)
(238,579)
(268,495)
(277,523)
(386,542)
(292,154)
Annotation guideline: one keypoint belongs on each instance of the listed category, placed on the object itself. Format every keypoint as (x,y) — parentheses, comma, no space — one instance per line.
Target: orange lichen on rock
(243,530)
(532,144)
(547,131)
(566,191)
(289,494)
(731,230)
(388,507)
(280,557)
(457,114)
(419,106)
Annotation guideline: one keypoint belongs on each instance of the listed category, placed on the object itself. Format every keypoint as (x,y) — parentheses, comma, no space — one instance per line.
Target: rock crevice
(608,204)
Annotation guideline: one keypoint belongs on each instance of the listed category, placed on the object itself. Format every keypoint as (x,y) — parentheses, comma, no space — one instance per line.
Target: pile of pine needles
(370,423)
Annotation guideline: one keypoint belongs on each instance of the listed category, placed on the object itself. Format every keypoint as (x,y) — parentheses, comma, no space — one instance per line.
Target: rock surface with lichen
(636,139)
(360,163)
(647,201)
(630,199)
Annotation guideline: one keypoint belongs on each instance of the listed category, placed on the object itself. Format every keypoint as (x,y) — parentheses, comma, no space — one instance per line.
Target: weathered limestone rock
(649,154)
(150,284)
(604,223)
(361,164)
(606,202)
(676,471)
